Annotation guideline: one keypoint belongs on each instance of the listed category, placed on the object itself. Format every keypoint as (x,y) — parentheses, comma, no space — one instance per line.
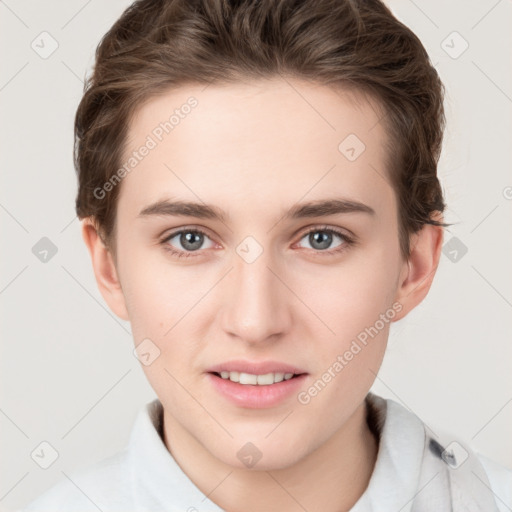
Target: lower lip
(254,396)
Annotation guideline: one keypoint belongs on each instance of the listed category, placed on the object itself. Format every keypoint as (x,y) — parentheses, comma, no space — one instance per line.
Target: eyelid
(327,227)
(176,231)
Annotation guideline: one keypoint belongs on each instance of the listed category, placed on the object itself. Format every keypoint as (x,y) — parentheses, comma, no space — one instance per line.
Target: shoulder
(107,485)
(416,454)
(102,486)
(500,479)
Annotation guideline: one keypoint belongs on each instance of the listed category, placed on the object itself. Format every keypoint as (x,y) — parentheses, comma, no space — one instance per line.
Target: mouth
(256,385)
(251,379)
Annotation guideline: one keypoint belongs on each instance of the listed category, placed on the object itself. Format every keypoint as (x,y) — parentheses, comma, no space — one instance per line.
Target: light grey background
(68,373)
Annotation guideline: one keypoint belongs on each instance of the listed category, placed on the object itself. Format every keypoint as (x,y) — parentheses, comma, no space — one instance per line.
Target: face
(252,281)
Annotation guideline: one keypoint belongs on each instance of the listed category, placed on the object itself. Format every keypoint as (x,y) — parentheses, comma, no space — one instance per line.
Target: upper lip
(255,367)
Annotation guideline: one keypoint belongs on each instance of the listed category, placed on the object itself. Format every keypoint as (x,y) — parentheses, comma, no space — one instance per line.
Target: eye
(321,239)
(188,241)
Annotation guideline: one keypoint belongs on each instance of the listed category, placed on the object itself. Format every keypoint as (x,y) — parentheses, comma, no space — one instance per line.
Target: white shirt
(145,477)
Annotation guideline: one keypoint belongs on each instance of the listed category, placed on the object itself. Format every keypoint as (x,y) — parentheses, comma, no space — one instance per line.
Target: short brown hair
(157,45)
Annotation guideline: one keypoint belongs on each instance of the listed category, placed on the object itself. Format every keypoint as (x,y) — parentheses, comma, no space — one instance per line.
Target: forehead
(268,141)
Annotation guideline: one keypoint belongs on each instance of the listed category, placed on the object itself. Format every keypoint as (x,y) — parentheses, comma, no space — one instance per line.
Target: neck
(330,479)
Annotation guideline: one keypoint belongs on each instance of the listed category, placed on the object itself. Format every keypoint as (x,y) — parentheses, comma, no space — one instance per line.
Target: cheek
(351,296)
(348,360)
(157,294)
(162,301)
(355,301)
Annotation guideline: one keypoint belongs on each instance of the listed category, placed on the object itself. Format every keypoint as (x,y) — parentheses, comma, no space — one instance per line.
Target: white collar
(158,481)
(394,480)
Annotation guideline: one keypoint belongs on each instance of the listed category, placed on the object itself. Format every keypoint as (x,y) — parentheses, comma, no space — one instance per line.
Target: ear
(104,269)
(419,270)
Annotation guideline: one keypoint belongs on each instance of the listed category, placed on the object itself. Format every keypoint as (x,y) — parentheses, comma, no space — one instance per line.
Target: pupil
(320,237)
(187,241)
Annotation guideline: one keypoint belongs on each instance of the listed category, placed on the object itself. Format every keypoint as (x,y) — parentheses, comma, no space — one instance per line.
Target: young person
(259,196)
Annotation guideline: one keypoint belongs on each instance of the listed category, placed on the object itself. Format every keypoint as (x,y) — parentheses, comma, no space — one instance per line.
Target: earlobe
(104,269)
(419,270)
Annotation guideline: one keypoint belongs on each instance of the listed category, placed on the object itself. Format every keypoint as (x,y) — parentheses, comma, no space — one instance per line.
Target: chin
(271,462)
(260,453)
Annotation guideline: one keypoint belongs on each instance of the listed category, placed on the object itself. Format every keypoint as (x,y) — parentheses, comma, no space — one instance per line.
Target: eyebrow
(316,208)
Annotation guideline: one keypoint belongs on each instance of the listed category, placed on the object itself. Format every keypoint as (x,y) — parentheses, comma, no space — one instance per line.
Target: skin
(255,149)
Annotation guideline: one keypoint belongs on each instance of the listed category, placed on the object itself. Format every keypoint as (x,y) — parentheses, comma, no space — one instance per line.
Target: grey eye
(188,240)
(322,239)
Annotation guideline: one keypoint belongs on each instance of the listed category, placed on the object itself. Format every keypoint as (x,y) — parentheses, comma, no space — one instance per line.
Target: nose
(256,304)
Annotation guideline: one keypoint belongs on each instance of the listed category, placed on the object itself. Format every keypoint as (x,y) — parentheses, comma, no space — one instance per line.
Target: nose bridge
(256,308)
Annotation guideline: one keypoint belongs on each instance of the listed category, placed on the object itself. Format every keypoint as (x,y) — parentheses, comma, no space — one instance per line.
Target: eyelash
(348,241)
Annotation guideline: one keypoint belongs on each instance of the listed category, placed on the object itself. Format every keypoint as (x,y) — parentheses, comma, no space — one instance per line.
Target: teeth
(247,378)
(260,380)
(265,380)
